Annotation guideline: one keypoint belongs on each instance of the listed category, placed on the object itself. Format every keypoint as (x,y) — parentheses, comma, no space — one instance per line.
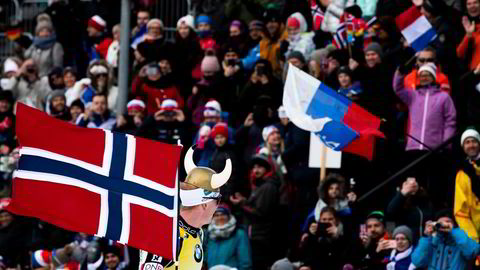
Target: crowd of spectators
(218,83)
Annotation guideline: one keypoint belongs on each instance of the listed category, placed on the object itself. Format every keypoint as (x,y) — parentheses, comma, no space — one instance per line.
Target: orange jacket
(462,48)
(412,80)
(269,49)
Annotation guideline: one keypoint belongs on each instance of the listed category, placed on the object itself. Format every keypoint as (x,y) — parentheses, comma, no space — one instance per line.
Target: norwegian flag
(340,39)
(317,14)
(97,182)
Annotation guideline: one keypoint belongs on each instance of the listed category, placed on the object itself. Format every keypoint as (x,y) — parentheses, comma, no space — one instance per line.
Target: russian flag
(341,124)
(415,28)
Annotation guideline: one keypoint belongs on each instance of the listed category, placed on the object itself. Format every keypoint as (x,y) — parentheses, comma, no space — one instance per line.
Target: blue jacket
(252,57)
(234,251)
(451,251)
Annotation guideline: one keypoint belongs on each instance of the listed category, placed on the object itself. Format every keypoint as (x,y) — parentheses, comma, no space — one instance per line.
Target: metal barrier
(170,11)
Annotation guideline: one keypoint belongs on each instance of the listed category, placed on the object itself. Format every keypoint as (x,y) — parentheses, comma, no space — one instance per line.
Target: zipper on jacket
(424,120)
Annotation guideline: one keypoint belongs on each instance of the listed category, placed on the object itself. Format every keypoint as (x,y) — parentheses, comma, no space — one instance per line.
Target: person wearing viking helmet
(199,195)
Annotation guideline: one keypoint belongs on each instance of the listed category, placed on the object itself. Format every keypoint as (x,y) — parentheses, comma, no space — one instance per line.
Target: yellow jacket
(269,49)
(467,206)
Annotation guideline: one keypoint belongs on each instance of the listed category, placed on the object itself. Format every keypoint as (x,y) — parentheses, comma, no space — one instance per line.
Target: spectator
(97,42)
(375,244)
(335,59)
(112,258)
(76,108)
(154,44)
(468,49)
(323,247)
(466,210)
(237,35)
(411,206)
(273,147)
(69,78)
(136,111)
(444,240)
(57,107)
(227,243)
(166,125)
(334,9)
(348,88)
(256,34)
(270,44)
(45,51)
(188,48)
(297,59)
(205,32)
(138,32)
(113,52)
(427,55)
(55,79)
(439,122)
(260,210)
(7,123)
(97,115)
(400,259)
(151,85)
(318,63)
(262,82)
(298,38)
(28,87)
(224,150)
(100,76)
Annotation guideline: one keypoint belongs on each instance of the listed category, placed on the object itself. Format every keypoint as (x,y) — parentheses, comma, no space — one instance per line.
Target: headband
(197,196)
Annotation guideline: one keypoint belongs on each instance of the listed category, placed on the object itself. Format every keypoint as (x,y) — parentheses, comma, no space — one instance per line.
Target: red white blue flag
(97,182)
(415,28)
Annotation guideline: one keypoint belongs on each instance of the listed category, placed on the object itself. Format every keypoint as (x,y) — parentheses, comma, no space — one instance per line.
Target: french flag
(415,28)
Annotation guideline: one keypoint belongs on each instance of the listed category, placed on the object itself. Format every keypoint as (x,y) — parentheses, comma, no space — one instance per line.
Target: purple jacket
(432,114)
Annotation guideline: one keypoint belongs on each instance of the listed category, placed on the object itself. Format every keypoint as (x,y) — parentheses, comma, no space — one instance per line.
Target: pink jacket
(432,114)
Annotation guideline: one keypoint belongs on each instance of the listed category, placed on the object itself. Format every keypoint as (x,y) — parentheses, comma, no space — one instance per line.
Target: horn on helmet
(188,161)
(219,179)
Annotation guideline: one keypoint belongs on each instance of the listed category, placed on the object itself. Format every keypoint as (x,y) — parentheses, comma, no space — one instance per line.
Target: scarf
(45,42)
(224,231)
(394,258)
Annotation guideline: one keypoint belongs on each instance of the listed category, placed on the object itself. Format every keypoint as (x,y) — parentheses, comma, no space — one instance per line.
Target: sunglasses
(214,198)
(426,60)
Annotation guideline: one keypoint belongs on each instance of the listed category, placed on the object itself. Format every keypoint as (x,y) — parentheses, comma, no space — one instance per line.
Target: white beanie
(469,133)
(188,20)
(212,108)
(267,131)
(204,130)
(431,68)
(10,66)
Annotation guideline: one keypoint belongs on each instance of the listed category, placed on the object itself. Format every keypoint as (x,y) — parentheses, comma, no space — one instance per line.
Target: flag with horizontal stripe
(415,28)
(97,182)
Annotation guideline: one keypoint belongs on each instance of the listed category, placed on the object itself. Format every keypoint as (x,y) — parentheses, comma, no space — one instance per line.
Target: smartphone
(363,229)
(231,62)
(260,70)
(322,228)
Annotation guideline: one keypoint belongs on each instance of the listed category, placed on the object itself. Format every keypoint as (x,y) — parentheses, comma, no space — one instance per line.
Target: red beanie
(293,22)
(98,23)
(220,129)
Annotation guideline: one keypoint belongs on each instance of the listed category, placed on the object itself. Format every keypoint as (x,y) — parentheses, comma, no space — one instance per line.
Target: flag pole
(177,247)
(323,164)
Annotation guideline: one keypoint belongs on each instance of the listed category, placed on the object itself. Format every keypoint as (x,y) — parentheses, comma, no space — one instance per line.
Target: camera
(322,228)
(438,225)
(169,113)
(231,62)
(30,69)
(152,70)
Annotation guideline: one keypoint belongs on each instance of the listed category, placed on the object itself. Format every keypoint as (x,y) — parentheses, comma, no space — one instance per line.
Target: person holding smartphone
(323,247)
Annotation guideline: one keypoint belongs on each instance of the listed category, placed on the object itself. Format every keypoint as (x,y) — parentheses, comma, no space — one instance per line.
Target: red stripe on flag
(151,231)
(53,203)
(38,130)
(161,169)
(407,18)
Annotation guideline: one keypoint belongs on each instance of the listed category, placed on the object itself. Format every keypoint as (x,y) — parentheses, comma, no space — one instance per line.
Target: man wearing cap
(260,209)
(467,186)
(199,195)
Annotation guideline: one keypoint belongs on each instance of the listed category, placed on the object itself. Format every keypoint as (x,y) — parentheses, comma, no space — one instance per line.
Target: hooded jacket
(474,43)
(334,11)
(432,114)
(303,42)
(151,91)
(445,251)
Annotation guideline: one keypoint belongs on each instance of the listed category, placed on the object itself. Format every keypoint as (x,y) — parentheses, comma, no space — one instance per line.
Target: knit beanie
(153,21)
(236,23)
(223,208)
(469,133)
(98,23)
(260,159)
(210,64)
(283,264)
(212,109)
(431,68)
(220,129)
(203,19)
(405,231)
(344,70)
(375,47)
(43,24)
(188,20)
(267,131)
(169,105)
(136,104)
(298,55)
(57,93)
(10,66)
(204,130)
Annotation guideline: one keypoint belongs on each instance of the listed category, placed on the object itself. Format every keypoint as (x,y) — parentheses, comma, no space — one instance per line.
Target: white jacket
(333,13)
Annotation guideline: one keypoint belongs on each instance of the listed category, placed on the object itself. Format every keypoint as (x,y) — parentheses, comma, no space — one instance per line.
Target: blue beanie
(203,19)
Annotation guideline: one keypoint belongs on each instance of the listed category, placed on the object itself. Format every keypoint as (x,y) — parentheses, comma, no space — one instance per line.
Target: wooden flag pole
(323,164)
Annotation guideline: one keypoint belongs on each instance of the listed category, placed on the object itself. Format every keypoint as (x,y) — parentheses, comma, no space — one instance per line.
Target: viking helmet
(203,177)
